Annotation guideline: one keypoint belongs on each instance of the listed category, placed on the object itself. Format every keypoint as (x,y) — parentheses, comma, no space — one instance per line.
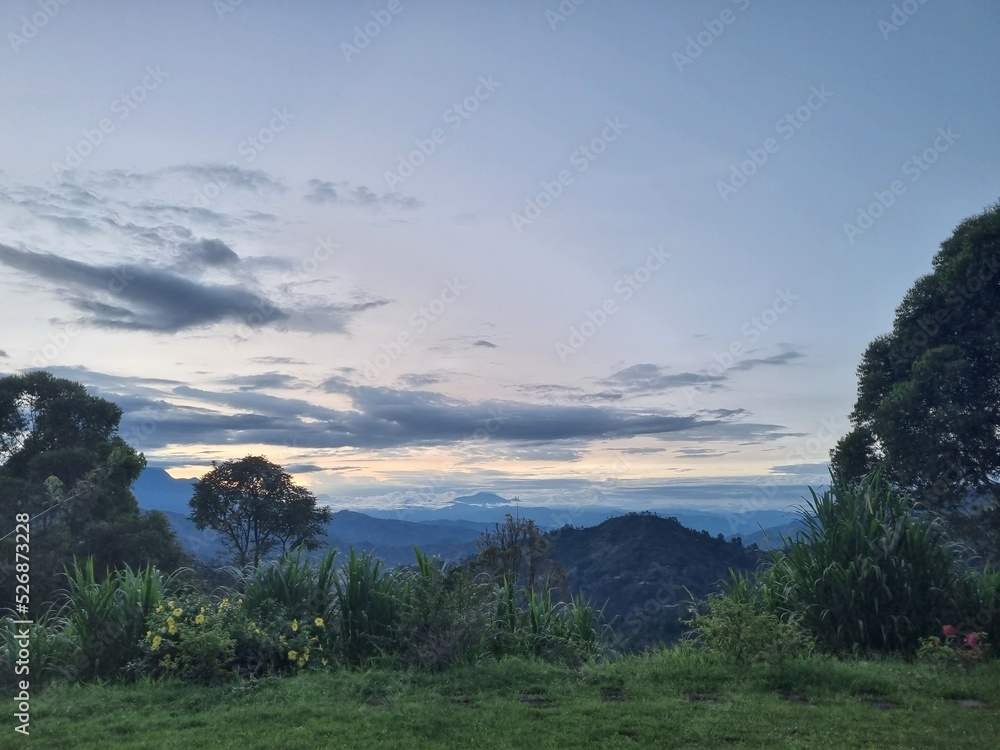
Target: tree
(518,550)
(928,407)
(63,464)
(256,509)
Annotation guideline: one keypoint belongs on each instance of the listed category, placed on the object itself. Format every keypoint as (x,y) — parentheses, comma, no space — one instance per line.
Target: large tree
(928,407)
(63,463)
(256,509)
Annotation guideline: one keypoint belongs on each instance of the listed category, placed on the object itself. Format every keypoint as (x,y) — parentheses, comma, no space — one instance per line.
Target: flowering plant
(954,647)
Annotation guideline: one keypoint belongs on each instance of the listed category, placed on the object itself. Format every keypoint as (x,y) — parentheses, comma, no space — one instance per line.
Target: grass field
(666,699)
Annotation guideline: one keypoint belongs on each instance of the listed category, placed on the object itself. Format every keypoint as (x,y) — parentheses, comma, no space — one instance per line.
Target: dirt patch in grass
(537,700)
(613,694)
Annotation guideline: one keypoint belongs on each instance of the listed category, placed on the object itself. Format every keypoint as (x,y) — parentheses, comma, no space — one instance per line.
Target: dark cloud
(421,380)
(802,469)
(303,468)
(701,452)
(4,354)
(387,419)
(147,299)
(640,451)
(485,343)
(210,253)
(777,359)
(649,378)
(263,380)
(341,193)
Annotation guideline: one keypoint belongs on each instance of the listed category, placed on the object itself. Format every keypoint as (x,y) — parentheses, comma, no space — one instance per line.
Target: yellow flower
(171,604)
(178,611)
(293,655)
(319,622)
(149,633)
(159,608)
(156,642)
(240,602)
(171,626)
(295,626)
(325,661)
(199,619)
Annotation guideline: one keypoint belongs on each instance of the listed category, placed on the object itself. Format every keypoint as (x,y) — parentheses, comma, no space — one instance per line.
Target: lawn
(664,699)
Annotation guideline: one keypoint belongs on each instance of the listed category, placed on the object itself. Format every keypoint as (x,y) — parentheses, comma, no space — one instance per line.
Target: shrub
(866,574)
(741,630)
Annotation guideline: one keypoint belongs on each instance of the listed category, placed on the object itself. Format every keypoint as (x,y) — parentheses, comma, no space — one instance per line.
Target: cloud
(263,380)
(163,413)
(4,355)
(145,299)
(277,361)
(777,359)
(421,380)
(485,343)
(342,194)
(209,253)
(649,378)
(820,469)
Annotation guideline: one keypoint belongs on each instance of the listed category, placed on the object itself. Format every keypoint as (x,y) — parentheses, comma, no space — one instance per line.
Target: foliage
(518,549)
(928,406)
(738,628)
(442,620)
(367,609)
(256,509)
(954,647)
(62,462)
(866,574)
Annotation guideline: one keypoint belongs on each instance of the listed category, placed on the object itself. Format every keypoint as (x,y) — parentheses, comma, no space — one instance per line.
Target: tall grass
(367,608)
(866,574)
(303,588)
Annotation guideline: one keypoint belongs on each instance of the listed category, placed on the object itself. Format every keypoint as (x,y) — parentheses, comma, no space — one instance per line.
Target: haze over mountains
(450,531)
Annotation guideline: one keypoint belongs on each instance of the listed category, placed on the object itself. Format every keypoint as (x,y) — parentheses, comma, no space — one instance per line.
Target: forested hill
(640,565)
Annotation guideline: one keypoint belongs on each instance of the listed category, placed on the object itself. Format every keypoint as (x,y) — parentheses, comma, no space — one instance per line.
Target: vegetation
(256,508)
(63,463)
(928,407)
(673,698)
(868,575)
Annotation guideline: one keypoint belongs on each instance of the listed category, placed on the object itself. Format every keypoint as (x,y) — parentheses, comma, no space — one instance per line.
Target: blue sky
(624,252)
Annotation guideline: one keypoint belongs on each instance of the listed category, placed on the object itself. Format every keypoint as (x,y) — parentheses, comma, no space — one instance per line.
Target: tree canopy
(63,463)
(256,509)
(928,406)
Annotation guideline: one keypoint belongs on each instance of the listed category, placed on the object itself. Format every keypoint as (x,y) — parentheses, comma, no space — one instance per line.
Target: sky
(582,252)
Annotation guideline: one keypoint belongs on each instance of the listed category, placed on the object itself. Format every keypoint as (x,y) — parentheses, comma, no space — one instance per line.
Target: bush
(867,574)
(741,630)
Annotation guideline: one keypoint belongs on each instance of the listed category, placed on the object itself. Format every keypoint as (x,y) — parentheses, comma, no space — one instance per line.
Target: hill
(644,569)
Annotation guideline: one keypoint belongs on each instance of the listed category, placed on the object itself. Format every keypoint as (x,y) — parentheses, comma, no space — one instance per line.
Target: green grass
(665,699)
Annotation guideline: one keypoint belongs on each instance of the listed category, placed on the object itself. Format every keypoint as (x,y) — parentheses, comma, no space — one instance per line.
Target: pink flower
(971,640)
(949,631)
